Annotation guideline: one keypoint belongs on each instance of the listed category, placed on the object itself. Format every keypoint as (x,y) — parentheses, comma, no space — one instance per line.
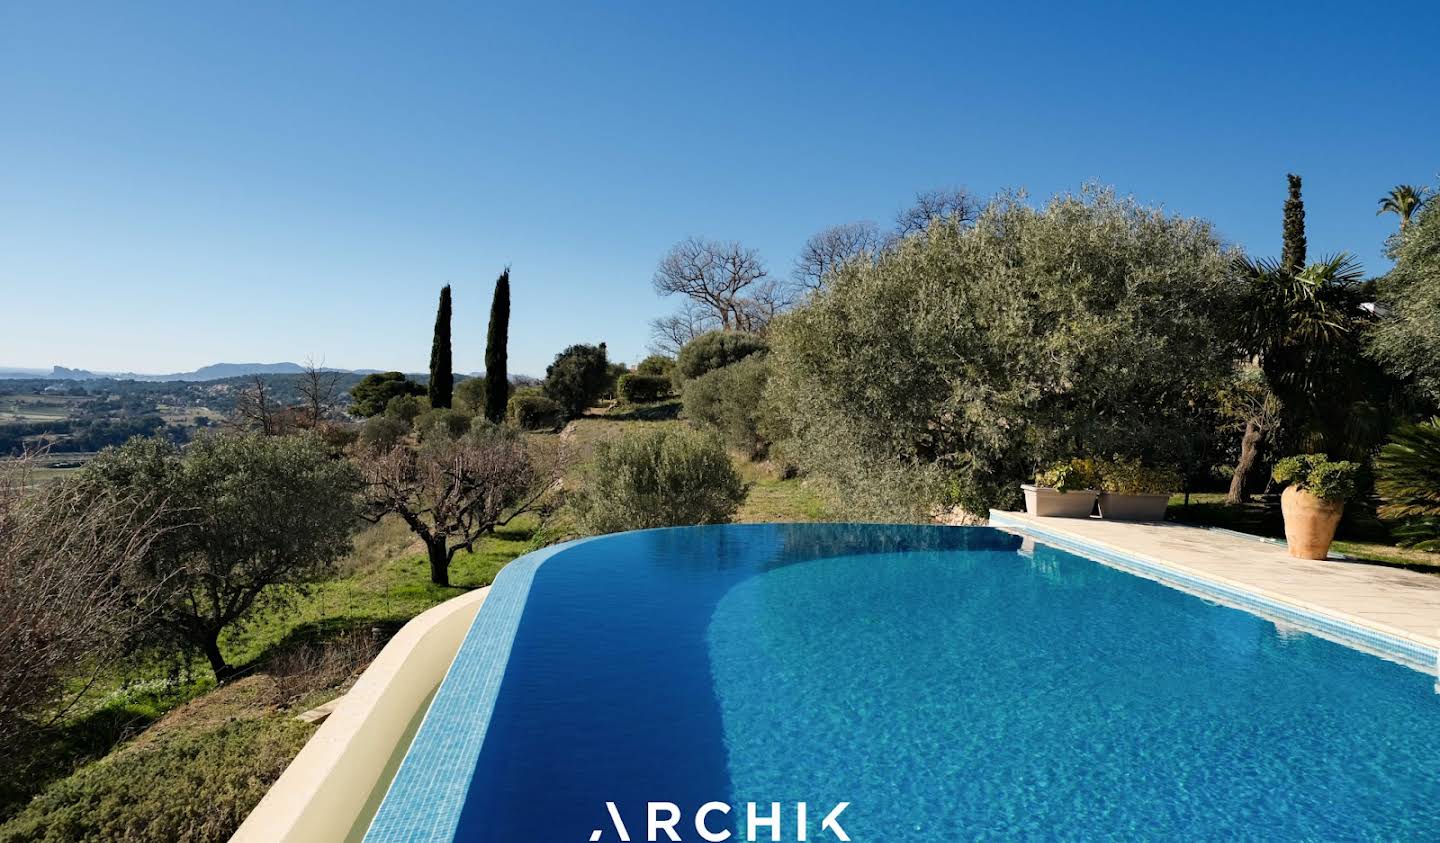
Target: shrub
(470,396)
(657,478)
(711,351)
(1318,475)
(196,786)
(1408,482)
(656,364)
(382,432)
(374,392)
(1132,477)
(1067,475)
(579,375)
(406,408)
(443,423)
(64,614)
(613,373)
(533,411)
(635,388)
(731,401)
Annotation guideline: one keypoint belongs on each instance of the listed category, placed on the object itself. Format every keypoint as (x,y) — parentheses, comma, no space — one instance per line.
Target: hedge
(635,388)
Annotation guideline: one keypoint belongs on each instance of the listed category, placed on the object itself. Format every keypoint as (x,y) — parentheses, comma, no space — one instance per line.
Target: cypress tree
(1292,259)
(497,383)
(442,377)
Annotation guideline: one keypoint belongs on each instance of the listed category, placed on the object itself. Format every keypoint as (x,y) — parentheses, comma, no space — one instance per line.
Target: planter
(1044,501)
(1310,522)
(1118,507)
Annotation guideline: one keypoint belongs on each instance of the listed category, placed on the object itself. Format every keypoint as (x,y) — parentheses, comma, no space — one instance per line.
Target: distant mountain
(216,371)
(213,372)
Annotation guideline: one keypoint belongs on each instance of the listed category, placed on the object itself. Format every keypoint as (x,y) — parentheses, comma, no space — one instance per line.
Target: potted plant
(1316,489)
(1064,490)
(1133,491)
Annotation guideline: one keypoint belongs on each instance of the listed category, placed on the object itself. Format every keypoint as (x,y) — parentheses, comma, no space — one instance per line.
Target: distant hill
(213,372)
(216,371)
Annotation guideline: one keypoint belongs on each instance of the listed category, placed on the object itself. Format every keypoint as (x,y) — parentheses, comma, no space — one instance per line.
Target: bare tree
(319,393)
(953,205)
(668,334)
(257,409)
(452,492)
(63,611)
(722,279)
(768,298)
(827,250)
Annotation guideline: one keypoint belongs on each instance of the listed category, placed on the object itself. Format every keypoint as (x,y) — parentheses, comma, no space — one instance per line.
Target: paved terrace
(1391,601)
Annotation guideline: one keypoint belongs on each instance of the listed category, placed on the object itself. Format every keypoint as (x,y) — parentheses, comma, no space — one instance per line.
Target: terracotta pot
(1118,507)
(1310,522)
(1042,500)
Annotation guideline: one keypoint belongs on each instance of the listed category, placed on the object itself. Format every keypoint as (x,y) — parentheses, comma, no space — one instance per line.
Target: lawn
(773,498)
(1359,538)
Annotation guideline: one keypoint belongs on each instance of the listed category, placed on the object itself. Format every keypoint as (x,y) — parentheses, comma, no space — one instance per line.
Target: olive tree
(245,515)
(731,401)
(964,355)
(1407,337)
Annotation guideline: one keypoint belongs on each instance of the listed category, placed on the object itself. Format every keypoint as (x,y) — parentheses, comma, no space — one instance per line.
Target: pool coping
(325,790)
(1367,636)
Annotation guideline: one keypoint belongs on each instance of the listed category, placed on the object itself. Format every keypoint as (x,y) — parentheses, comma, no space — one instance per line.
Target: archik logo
(664,817)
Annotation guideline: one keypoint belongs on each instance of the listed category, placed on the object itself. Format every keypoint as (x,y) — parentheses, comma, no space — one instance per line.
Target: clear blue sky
(186,183)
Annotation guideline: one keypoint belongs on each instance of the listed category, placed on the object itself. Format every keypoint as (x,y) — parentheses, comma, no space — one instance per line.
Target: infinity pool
(943,682)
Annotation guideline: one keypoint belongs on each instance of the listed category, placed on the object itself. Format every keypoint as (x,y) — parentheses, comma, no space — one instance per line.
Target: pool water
(947,685)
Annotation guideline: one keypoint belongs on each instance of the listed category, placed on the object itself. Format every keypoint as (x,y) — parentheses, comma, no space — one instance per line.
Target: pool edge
(1355,633)
(443,752)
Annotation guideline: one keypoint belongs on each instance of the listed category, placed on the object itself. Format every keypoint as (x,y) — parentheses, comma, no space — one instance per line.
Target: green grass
(195,784)
(773,499)
(1356,538)
(384,591)
(381,585)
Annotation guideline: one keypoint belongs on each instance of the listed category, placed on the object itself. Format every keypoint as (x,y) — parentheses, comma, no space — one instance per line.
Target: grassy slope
(381,585)
(153,726)
(385,582)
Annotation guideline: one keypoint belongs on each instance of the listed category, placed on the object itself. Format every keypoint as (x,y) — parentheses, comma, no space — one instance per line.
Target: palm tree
(1403,200)
(1298,329)
(1295,316)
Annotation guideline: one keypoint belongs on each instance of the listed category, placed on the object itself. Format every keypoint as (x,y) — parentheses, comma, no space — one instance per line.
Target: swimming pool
(940,681)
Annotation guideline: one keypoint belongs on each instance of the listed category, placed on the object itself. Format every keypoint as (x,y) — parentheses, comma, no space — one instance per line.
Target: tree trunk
(223,672)
(439,562)
(1249,454)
